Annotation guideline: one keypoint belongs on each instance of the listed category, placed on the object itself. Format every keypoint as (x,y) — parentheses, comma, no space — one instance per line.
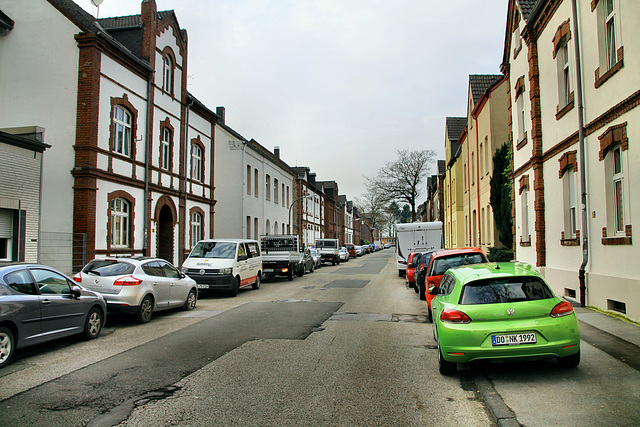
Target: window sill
(525,243)
(522,143)
(561,112)
(600,80)
(570,242)
(617,240)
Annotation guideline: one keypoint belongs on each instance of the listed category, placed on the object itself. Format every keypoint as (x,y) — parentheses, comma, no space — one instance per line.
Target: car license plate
(514,339)
(203,286)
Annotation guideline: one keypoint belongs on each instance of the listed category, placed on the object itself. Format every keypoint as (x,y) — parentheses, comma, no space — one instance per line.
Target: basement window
(613,305)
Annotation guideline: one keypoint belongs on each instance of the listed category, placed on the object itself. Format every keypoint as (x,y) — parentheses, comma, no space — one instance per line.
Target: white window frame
(610,30)
(564,74)
(122,125)
(196,228)
(618,190)
(520,116)
(570,203)
(524,206)
(167,75)
(120,222)
(165,147)
(196,162)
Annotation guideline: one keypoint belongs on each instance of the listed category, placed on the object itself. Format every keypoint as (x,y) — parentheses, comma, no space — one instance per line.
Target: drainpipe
(147,216)
(583,172)
(186,156)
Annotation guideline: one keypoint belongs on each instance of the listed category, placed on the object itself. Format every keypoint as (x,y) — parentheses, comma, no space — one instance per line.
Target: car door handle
(46,302)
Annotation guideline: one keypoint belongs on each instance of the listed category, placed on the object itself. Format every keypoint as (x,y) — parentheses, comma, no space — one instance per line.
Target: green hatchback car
(501,311)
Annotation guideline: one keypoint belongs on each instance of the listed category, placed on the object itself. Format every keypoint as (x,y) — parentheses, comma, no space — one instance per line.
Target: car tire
(145,311)
(416,287)
(256,284)
(7,344)
(235,287)
(300,272)
(313,267)
(190,302)
(423,293)
(93,324)
(290,274)
(445,367)
(569,361)
(429,315)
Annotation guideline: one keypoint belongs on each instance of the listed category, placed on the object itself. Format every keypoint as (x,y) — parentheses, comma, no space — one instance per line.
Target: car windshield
(441,265)
(225,250)
(511,289)
(109,268)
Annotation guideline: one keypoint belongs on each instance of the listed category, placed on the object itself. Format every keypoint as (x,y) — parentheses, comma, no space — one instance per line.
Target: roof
(455,126)
(22,142)
(528,7)
(495,270)
(6,23)
(479,84)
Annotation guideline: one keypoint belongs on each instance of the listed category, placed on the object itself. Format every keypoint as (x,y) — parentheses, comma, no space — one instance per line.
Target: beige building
(452,184)
(487,130)
(574,115)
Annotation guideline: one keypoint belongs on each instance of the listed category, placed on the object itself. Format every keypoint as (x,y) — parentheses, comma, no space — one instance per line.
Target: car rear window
(441,265)
(511,289)
(109,268)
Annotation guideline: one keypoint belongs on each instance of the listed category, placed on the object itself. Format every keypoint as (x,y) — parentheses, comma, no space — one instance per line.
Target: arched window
(122,122)
(167,74)
(120,223)
(196,162)
(196,228)
(165,149)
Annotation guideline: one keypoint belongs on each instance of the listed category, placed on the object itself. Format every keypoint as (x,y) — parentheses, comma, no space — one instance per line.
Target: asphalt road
(345,345)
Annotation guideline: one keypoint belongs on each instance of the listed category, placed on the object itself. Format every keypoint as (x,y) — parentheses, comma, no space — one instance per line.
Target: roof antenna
(97,4)
(497,266)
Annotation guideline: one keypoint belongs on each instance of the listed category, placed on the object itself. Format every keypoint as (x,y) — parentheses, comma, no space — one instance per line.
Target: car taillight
(77,278)
(454,316)
(127,281)
(563,308)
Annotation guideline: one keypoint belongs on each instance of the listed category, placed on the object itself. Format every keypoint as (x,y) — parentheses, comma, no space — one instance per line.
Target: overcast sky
(338,85)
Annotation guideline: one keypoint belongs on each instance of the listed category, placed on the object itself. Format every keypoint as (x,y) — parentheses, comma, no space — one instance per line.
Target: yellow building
(453,192)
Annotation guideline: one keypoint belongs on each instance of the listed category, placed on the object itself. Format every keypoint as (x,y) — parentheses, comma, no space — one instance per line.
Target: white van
(225,264)
(416,237)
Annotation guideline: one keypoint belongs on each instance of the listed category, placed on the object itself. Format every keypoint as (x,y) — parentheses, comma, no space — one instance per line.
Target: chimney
(312,179)
(220,112)
(276,152)
(149,12)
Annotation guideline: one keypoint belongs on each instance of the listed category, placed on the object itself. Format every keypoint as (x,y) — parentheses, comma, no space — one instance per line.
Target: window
(524,207)
(610,33)
(570,209)
(283,199)
(167,75)
(120,223)
(248,179)
(255,229)
(464,179)
(122,130)
(487,153)
(196,162)
(51,282)
(196,228)
(268,187)
(617,186)
(565,95)
(165,149)
(275,191)
(6,234)
(473,168)
(255,183)
(520,116)
(248,227)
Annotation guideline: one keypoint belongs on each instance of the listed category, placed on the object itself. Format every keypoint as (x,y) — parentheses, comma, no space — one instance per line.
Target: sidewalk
(626,331)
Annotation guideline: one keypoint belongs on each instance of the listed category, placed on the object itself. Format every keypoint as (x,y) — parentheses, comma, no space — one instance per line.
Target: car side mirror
(76,292)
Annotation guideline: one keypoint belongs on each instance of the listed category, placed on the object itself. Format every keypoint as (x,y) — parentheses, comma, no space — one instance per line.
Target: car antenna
(497,266)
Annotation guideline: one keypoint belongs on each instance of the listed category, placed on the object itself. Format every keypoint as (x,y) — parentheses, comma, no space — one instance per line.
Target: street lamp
(291,206)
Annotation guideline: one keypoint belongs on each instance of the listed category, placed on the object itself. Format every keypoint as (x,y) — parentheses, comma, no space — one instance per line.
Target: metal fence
(65,251)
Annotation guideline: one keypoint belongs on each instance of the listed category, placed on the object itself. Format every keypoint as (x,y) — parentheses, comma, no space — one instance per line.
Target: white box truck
(416,237)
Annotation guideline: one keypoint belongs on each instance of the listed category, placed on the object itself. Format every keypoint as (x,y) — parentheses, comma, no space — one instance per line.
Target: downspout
(147,216)
(583,172)
(186,156)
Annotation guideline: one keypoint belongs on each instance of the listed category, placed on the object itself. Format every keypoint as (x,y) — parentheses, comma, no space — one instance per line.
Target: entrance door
(165,234)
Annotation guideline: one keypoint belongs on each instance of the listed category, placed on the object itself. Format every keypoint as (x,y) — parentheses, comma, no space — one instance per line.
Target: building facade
(573,99)
(453,188)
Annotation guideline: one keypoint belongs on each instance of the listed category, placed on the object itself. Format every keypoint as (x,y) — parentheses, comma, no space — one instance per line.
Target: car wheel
(290,274)
(313,267)
(569,361)
(144,313)
(446,368)
(235,287)
(6,346)
(416,287)
(300,272)
(191,301)
(333,262)
(93,324)
(256,284)
(429,315)
(423,293)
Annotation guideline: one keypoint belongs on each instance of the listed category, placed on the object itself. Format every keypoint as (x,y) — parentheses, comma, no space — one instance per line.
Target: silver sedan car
(139,285)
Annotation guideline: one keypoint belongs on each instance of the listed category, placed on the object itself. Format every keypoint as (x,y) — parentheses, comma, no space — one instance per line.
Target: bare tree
(373,205)
(401,180)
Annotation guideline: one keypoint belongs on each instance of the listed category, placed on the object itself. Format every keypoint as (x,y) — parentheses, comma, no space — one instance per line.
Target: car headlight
(225,271)
(185,270)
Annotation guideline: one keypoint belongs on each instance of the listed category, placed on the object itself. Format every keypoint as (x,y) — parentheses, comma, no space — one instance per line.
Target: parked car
(502,311)
(359,250)
(306,262)
(316,257)
(344,254)
(139,285)
(443,260)
(412,259)
(351,248)
(420,274)
(38,304)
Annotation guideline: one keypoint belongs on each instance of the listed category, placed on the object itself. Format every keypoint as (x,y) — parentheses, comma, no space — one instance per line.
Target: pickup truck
(328,250)
(280,255)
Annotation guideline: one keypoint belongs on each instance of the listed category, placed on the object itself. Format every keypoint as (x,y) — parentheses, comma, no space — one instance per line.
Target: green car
(501,311)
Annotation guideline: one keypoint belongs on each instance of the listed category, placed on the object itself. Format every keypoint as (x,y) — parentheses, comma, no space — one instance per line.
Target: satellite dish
(96,3)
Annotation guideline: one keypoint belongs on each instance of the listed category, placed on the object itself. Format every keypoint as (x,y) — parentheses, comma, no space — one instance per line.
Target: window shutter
(6,223)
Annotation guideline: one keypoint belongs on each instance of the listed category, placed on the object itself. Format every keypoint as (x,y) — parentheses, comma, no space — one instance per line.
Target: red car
(445,259)
(351,248)
(411,267)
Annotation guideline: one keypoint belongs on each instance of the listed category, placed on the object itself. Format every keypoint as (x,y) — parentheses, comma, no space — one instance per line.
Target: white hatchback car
(139,285)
